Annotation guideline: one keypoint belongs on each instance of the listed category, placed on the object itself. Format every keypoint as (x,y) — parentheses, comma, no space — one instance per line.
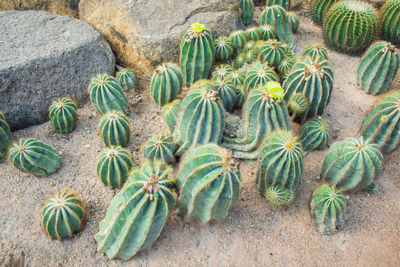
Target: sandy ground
(253,234)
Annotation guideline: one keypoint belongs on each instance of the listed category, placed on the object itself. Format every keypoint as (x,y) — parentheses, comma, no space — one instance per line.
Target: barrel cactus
(63,115)
(209,183)
(227,92)
(169,113)
(63,214)
(267,32)
(328,206)
(371,189)
(382,123)
(285,66)
(350,26)
(223,48)
(319,8)
(293,20)
(254,34)
(106,94)
(239,38)
(390,21)
(378,67)
(246,11)
(279,195)
(221,72)
(272,52)
(352,164)
(160,147)
(241,95)
(237,77)
(197,53)
(166,83)
(126,79)
(34,157)
(250,45)
(315,51)
(115,129)
(298,104)
(286,4)
(5,136)
(315,134)
(260,74)
(113,166)
(250,56)
(239,61)
(138,213)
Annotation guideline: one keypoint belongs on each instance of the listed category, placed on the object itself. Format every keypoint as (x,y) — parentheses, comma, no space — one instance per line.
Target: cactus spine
(259,74)
(221,72)
(286,4)
(315,134)
(227,92)
(241,94)
(267,32)
(62,114)
(223,48)
(293,20)
(319,8)
(209,182)
(238,38)
(272,52)
(298,104)
(247,11)
(5,136)
(285,66)
(166,83)
(390,21)
(160,147)
(126,79)
(315,51)
(279,195)
(237,77)
(115,129)
(254,34)
(169,113)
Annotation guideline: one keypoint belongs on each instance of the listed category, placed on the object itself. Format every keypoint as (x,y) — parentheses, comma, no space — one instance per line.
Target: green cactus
(237,77)
(224,48)
(390,21)
(267,32)
(315,134)
(293,20)
(197,53)
(238,38)
(106,94)
(5,136)
(239,62)
(250,56)
(166,83)
(241,95)
(313,79)
(285,66)
(352,164)
(371,189)
(279,195)
(315,51)
(319,9)
(328,206)
(286,4)
(221,72)
(34,157)
(160,147)
(378,67)
(227,93)
(350,26)
(209,183)
(115,129)
(382,123)
(272,52)
(126,79)
(63,115)
(246,11)
(250,46)
(298,104)
(259,74)
(63,214)
(138,213)
(113,166)
(254,34)
(169,113)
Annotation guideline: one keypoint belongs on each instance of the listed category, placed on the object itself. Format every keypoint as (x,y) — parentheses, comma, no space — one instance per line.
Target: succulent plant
(378,67)
(250,46)
(106,94)
(63,115)
(382,123)
(126,79)
(298,104)
(197,53)
(241,95)
(390,21)
(250,56)
(113,166)
(254,34)
(169,113)
(63,214)
(221,72)
(160,147)
(247,11)
(350,26)
(138,213)
(115,129)
(279,195)
(34,157)
(272,52)
(239,61)
(293,20)
(352,164)
(5,136)
(286,4)
(237,77)
(315,51)
(267,32)
(285,66)
(224,48)
(166,83)
(371,189)
(315,134)
(227,93)
(209,183)
(319,9)
(259,74)
(328,206)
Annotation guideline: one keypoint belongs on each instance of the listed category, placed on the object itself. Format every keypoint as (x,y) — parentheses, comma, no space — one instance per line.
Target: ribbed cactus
(250,56)
(285,66)
(267,32)
(272,52)
(280,162)
(34,157)
(254,34)
(113,166)
(239,61)
(197,53)
(246,11)
(5,136)
(138,213)
(224,48)
(237,77)
(319,8)
(169,113)
(209,183)
(293,20)
(350,26)
(201,119)
(264,111)
(126,79)
(352,164)
(239,38)
(315,134)
(286,4)
(279,195)
(378,67)
(227,93)
(241,95)
(260,74)
(382,123)
(250,45)
(63,214)
(106,94)
(298,104)
(63,115)
(315,51)
(115,129)
(371,189)
(313,79)
(328,206)
(160,147)
(221,72)
(166,83)
(390,21)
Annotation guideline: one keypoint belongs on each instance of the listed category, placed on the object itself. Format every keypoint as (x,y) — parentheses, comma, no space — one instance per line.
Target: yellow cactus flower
(198,27)
(275,89)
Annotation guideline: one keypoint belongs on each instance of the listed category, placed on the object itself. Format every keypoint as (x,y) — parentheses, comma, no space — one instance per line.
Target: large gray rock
(43,57)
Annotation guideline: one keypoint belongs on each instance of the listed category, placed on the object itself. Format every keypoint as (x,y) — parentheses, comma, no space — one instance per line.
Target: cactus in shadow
(5,136)
(286,4)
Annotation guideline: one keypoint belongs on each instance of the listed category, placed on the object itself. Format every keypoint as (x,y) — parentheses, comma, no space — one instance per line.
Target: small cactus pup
(352,164)
(272,52)
(382,123)
(285,66)
(63,115)
(201,119)
(267,32)
(34,157)
(113,166)
(280,162)
(197,53)
(237,77)
(390,21)
(209,183)
(293,20)
(279,195)
(250,56)
(227,92)
(241,94)
(239,61)
(350,26)
(166,83)
(246,11)
(223,48)
(5,136)
(126,79)
(315,51)
(106,94)
(264,111)
(259,74)
(315,134)
(138,213)
(254,34)
(328,207)
(297,104)
(159,147)
(314,80)
(115,128)
(378,67)
(319,8)
(221,72)
(63,214)
(169,113)
(286,4)
(238,38)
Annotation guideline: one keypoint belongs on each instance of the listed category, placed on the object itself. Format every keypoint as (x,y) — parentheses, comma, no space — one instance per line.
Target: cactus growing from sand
(169,113)
(390,21)
(63,115)
(5,136)
(166,83)
(246,11)
(115,129)
(315,134)
(126,79)
(159,147)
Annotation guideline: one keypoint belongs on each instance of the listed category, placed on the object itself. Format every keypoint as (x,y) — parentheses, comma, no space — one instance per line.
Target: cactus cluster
(5,136)
(63,115)
(390,21)
(166,83)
